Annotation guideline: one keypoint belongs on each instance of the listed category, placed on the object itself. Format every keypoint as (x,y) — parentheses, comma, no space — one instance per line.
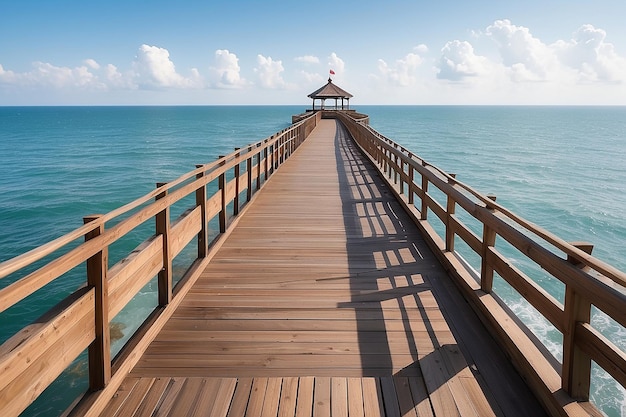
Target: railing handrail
(11,265)
(585,277)
(83,318)
(602,267)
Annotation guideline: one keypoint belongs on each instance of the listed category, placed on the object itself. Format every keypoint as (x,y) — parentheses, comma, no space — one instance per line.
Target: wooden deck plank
(390,397)
(408,408)
(240,399)
(321,397)
(372,398)
(186,399)
(324,300)
(420,397)
(136,397)
(257,397)
(355,398)
(339,397)
(166,406)
(272,397)
(207,397)
(288,397)
(304,406)
(123,393)
(153,397)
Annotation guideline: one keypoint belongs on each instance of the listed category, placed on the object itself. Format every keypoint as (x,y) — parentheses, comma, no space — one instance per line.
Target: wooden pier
(321,303)
(325,293)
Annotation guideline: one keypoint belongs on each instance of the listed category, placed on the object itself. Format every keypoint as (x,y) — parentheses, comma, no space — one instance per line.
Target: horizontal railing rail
(465,215)
(37,354)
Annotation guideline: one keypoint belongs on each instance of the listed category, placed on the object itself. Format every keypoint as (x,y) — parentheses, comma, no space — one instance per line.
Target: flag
(332,72)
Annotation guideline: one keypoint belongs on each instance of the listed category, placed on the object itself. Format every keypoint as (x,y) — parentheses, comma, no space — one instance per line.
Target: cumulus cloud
(421,49)
(587,57)
(7,76)
(269,71)
(307,59)
(154,69)
(50,76)
(458,62)
(336,63)
(591,56)
(527,57)
(115,79)
(91,63)
(151,68)
(403,72)
(226,72)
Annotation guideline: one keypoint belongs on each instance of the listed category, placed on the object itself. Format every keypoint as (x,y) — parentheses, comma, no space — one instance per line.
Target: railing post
(270,155)
(258,169)
(221,184)
(489,240)
(100,349)
(265,160)
(396,168)
(401,175)
(576,371)
(411,181)
(249,173)
(276,157)
(203,235)
(450,209)
(383,160)
(237,187)
(165,274)
(424,208)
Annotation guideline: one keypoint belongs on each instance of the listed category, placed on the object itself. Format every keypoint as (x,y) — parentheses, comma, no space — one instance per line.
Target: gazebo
(331,91)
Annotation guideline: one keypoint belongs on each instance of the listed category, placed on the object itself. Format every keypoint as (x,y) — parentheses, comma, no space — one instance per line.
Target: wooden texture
(32,361)
(323,291)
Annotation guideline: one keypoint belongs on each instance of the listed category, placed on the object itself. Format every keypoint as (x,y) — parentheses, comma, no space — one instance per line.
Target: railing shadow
(389,266)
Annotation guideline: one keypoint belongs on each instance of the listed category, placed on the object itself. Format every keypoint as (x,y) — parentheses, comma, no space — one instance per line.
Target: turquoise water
(563,168)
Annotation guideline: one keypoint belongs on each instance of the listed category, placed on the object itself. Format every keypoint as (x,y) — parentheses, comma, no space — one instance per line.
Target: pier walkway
(324,301)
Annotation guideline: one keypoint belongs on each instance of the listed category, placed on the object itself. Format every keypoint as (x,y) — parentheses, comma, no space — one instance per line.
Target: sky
(231,52)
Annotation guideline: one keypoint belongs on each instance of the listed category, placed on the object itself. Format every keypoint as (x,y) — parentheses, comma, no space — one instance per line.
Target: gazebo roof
(330,90)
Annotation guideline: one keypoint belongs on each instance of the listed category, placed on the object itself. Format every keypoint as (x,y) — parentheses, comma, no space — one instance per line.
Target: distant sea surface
(563,168)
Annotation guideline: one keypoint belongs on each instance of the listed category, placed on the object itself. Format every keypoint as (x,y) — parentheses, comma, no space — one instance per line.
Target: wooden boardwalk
(324,301)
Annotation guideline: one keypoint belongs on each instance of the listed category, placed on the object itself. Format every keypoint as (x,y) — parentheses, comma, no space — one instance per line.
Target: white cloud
(336,64)
(421,49)
(154,69)
(115,79)
(527,57)
(50,76)
(307,59)
(458,62)
(91,63)
(269,71)
(403,73)
(592,57)
(584,58)
(7,77)
(226,73)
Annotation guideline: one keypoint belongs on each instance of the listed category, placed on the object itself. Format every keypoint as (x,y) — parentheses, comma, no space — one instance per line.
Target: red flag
(332,72)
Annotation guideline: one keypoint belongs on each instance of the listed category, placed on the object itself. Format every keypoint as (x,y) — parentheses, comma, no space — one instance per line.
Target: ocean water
(563,168)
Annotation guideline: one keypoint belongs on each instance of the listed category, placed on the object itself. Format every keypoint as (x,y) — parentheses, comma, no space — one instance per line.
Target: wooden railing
(478,221)
(34,357)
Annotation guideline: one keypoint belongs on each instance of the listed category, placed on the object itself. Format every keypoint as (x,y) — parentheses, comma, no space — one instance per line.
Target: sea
(560,167)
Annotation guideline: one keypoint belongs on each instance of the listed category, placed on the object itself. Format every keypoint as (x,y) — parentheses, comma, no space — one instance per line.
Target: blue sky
(276,52)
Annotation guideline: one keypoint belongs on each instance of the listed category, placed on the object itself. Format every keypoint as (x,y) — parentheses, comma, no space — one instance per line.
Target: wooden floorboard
(324,301)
